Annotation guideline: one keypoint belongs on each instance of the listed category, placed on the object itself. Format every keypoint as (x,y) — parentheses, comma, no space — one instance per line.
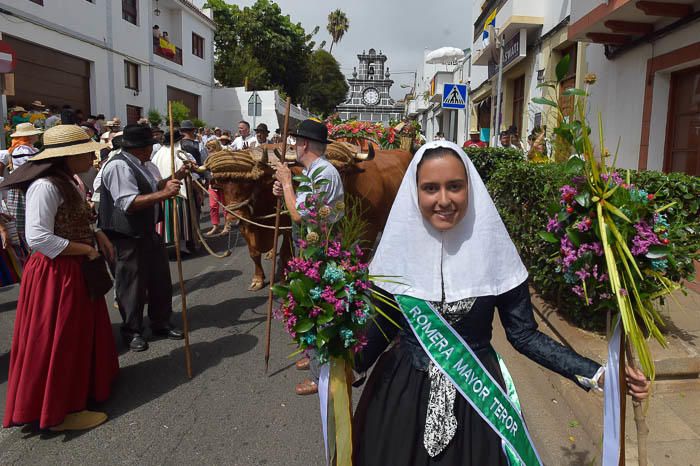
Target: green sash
(458,362)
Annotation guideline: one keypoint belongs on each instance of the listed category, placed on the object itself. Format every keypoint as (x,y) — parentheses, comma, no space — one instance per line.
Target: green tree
(327,87)
(338,25)
(260,45)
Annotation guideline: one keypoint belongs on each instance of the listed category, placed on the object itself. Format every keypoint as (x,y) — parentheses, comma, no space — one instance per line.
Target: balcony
(513,16)
(166,52)
(620,23)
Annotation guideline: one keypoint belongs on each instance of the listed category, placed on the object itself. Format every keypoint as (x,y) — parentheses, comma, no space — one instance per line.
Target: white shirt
(43,201)
(120,182)
(334,188)
(239,143)
(52,121)
(21,154)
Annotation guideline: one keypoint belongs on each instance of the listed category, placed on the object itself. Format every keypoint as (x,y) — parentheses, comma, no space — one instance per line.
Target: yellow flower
(324,211)
(312,237)
(340,206)
(590,78)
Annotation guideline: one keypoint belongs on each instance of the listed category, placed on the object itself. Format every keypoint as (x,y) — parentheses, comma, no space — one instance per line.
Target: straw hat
(17,109)
(37,103)
(25,129)
(64,141)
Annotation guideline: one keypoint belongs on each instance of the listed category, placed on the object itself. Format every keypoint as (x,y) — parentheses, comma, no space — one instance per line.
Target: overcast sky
(402,29)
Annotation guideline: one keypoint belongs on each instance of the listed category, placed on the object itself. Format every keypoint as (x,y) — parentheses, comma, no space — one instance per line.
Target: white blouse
(43,201)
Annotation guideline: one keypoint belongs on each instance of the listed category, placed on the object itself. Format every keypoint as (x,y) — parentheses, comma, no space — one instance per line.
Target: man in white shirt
(245,139)
(130,206)
(261,134)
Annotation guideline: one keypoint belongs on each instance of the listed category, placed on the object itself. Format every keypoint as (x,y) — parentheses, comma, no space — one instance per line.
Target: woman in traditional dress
(163,162)
(21,150)
(63,352)
(412,412)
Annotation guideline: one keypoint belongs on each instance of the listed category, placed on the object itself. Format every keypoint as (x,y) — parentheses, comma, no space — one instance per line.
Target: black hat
(262,128)
(137,136)
(177,135)
(186,124)
(313,130)
(156,129)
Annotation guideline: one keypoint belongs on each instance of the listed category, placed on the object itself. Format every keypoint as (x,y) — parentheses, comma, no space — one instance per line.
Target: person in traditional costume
(184,201)
(454,264)
(216,195)
(130,207)
(21,150)
(63,353)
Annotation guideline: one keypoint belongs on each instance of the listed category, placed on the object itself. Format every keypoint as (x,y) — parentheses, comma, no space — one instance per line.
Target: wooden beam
(629,27)
(666,9)
(606,38)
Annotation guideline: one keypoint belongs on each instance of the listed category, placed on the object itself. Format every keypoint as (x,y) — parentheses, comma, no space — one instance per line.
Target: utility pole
(497,117)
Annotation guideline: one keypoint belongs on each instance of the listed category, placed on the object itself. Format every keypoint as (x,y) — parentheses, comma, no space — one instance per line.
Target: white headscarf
(477,255)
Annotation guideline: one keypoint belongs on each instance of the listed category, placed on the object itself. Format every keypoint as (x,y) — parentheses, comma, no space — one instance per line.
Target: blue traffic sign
(454,96)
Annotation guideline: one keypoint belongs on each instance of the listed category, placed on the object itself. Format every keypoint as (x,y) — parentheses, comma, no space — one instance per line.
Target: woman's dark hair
(61,177)
(437,153)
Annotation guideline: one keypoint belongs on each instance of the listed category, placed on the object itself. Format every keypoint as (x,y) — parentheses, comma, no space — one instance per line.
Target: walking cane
(176,233)
(278,209)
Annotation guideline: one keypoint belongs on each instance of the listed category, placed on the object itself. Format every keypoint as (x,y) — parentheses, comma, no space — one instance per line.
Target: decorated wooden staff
(278,210)
(176,232)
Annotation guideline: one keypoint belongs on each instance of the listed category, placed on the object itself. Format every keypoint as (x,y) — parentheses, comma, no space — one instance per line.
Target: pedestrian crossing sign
(454,96)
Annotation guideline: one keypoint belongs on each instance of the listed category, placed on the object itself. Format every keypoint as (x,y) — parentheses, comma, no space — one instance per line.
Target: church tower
(369,97)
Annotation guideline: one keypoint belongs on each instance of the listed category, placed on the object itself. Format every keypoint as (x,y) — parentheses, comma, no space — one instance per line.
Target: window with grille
(131,75)
(518,102)
(133,114)
(129,11)
(197,45)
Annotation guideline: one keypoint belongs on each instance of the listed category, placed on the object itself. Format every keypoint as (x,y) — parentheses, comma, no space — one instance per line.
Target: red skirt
(63,351)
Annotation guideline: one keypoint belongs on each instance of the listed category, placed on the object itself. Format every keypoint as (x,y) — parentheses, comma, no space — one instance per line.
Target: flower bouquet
(614,249)
(326,304)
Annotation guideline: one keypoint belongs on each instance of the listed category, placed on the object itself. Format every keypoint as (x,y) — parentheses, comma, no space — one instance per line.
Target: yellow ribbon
(341,411)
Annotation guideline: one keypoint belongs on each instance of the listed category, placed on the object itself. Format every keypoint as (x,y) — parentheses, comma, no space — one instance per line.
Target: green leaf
(280,291)
(553,208)
(563,67)
(305,188)
(325,318)
(317,172)
(549,237)
(302,179)
(574,91)
(543,101)
(574,236)
(583,199)
(304,326)
(550,84)
(296,286)
(322,182)
(658,251)
(574,166)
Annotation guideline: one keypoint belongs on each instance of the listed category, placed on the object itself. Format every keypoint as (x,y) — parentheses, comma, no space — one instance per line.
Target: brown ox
(374,182)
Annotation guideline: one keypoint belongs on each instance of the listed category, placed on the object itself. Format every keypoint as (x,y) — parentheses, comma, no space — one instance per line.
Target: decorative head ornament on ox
(246,179)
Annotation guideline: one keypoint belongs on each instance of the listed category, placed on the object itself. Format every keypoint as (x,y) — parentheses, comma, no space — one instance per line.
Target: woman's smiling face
(443,194)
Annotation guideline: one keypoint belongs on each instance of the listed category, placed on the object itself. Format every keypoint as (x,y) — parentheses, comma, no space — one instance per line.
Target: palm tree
(338,25)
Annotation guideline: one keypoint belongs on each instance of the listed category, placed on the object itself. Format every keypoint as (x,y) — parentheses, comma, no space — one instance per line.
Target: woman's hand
(638,386)
(92,254)
(105,246)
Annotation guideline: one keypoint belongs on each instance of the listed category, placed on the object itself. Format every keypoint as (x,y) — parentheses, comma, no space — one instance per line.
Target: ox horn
(264,159)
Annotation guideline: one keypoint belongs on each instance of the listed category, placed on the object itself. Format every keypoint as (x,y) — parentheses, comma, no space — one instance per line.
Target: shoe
(171,333)
(307,387)
(80,421)
(213,232)
(137,343)
(304,364)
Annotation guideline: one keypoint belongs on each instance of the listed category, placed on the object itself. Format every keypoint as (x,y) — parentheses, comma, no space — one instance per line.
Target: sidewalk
(673,416)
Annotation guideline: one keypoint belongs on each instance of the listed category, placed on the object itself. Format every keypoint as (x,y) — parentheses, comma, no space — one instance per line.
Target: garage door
(52,77)
(187,98)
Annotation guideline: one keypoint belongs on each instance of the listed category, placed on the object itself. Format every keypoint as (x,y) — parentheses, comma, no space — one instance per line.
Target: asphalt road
(231,412)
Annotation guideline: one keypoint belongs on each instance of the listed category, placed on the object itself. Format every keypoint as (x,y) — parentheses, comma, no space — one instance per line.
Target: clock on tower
(369,97)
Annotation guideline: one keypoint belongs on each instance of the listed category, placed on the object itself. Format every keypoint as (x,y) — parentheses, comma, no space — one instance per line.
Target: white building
(101,56)
(646,56)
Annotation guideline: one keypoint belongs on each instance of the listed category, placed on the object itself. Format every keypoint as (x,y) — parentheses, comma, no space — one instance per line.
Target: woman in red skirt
(63,353)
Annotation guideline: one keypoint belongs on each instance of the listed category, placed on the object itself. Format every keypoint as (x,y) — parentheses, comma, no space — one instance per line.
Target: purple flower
(644,238)
(614,176)
(553,225)
(567,193)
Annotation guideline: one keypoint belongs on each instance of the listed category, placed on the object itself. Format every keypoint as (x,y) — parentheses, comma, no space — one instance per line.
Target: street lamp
(156,11)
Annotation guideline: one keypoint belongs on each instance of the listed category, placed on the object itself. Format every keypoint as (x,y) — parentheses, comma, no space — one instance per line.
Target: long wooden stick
(176,233)
(623,396)
(639,416)
(278,209)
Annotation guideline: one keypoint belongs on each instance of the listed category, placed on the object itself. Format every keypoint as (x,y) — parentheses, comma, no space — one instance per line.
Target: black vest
(116,222)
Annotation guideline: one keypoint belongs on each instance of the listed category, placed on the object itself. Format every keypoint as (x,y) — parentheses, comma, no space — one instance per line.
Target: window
(569,81)
(683,129)
(518,102)
(131,75)
(129,11)
(197,45)
(133,114)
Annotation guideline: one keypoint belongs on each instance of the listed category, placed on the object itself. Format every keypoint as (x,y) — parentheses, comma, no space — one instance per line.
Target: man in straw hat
(130,207)
(311,141)
(37,117)
(63,353)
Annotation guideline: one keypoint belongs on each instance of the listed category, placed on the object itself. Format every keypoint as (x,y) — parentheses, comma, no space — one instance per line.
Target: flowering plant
(613,236)
(388,137)
(325,294)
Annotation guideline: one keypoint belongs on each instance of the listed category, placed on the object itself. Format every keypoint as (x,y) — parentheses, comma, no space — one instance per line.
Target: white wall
(619,94)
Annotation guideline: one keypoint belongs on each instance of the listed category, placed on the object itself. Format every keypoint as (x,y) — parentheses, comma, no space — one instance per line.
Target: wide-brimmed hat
(25,129)
(262,128)
(136,136)
(156,129)
(313,130)
(225,136)
(18,108)
(64,141)
(37,103)
(177,136)
(113,124)
(187,125)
